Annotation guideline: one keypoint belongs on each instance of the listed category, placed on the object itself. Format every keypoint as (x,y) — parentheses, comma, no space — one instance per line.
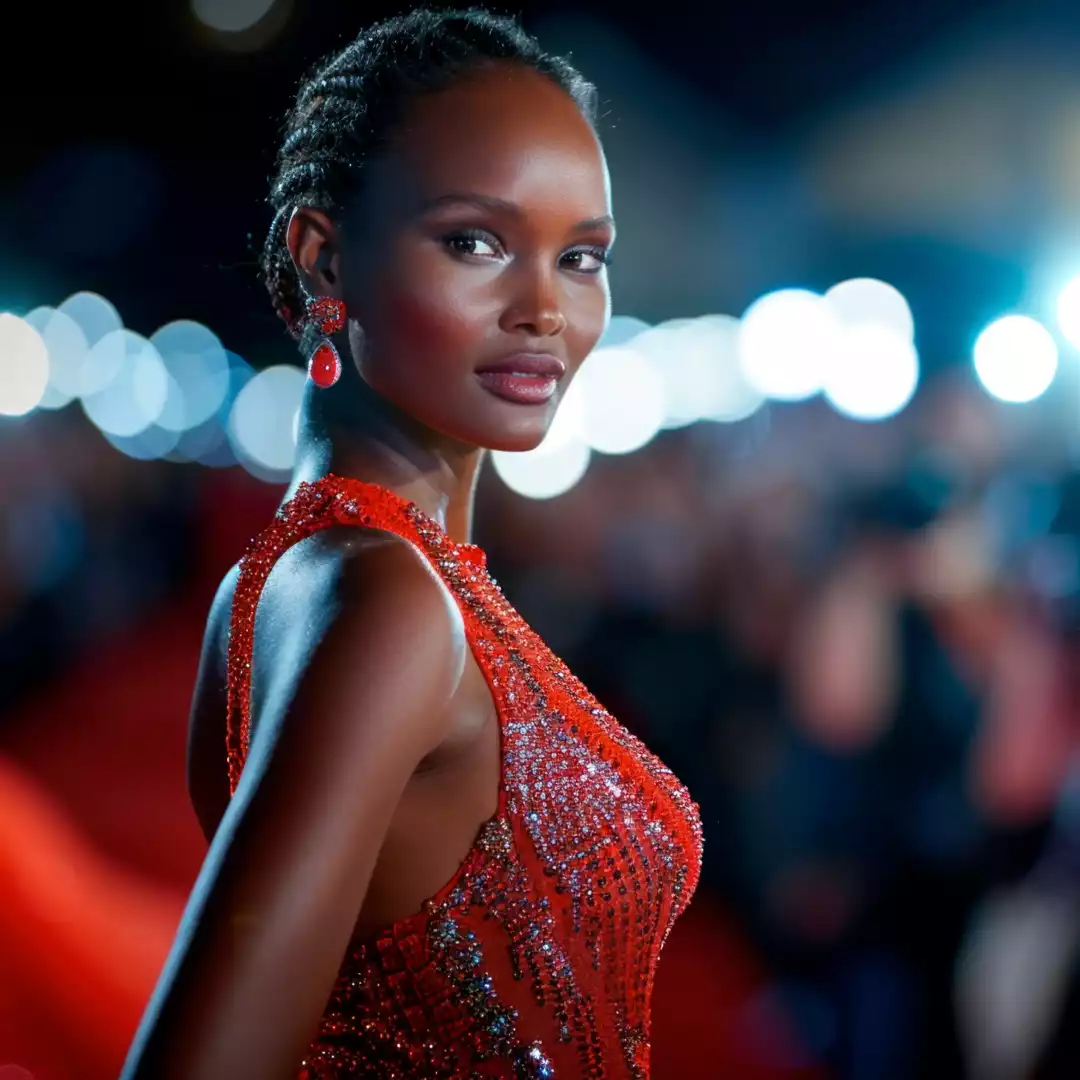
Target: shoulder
(343,582)
(380,580)
(354,615)
(366,637)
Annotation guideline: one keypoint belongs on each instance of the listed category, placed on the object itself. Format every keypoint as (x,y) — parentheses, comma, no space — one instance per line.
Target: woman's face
(476,263)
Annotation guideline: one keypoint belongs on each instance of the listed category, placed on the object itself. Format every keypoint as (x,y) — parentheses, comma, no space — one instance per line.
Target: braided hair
(350,106)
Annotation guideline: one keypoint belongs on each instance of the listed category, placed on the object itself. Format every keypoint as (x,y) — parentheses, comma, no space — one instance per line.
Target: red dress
(536,960)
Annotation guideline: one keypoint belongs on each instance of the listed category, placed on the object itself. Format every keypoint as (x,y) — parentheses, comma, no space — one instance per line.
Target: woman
(433,854)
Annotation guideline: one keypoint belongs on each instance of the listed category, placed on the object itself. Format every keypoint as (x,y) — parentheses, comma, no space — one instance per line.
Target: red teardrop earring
(328,314)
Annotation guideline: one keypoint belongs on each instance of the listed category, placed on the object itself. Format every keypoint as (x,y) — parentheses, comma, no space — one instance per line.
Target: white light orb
(698,361)
(873,373)
(1016,359)
(24,366)
(566,427)
(622,400)
(786,340)
(862,301)
(261,422)
(545,472)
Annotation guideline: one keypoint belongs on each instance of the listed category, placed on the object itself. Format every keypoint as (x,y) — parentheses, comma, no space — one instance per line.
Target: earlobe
(312,240)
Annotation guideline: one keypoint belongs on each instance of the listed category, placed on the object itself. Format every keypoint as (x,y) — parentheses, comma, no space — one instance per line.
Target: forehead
(505,131)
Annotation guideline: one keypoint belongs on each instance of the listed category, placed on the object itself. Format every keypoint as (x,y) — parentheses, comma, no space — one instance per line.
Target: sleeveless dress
(536,960)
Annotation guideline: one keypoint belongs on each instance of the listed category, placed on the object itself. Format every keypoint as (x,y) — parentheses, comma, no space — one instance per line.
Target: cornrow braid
(350,105)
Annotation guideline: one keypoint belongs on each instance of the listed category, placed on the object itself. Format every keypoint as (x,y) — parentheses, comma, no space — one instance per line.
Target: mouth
(524,379)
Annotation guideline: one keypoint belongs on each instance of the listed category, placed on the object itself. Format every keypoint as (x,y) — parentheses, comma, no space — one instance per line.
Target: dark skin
(375,751)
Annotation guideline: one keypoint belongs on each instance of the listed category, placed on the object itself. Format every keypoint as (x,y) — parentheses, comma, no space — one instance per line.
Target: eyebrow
(502,206)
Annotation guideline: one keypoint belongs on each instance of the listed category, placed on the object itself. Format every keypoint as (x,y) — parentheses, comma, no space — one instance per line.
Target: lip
(525,363)
(522,378)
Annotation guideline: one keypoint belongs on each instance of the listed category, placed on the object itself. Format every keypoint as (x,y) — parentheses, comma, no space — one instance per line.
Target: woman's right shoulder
(362,605)
(358,580)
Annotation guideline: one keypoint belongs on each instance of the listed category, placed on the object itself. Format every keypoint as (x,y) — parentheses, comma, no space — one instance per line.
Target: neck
(366,438)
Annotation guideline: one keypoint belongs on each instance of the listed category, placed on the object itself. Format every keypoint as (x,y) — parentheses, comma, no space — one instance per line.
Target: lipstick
(523,378)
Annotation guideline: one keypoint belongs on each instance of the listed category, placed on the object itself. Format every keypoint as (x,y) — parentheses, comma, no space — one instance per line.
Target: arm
(272,912)
(207,779)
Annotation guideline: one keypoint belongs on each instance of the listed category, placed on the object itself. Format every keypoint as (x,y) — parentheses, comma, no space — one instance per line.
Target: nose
(535,308)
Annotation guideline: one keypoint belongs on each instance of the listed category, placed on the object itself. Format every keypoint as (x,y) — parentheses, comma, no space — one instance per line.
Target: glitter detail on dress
(536,960)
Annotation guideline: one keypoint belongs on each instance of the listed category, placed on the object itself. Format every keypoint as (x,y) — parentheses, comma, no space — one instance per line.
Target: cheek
(586,320)
(427,314)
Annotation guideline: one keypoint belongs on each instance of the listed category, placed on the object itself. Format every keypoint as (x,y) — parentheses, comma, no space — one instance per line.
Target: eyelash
(601,254)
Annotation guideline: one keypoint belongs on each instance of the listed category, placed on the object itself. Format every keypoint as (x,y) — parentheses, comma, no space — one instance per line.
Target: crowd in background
(858,645)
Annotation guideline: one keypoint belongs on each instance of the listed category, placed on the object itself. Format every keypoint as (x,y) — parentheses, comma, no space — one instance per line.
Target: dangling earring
(328,314)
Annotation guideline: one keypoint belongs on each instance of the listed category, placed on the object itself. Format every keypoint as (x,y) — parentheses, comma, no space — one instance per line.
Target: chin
(512,428)
(515,442)
(518,429)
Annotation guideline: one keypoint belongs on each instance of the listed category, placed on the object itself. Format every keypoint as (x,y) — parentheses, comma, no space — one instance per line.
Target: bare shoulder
(378,612)
(342,594)
(345,593)
(374,656)
(362,651)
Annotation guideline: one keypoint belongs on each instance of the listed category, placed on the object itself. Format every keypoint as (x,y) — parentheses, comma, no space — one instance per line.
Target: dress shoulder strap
(333,500)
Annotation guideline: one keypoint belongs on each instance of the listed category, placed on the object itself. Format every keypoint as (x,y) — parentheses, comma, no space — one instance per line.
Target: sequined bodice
(537,959)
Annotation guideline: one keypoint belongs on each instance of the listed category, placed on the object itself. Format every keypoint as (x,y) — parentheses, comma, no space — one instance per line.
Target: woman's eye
(588,260)
(472,242)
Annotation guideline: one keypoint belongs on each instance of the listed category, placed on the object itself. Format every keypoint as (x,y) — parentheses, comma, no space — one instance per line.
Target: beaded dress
(536,960)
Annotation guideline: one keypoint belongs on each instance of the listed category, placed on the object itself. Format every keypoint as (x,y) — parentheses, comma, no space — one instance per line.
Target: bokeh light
(698,363)
(622,400)
(1068,312)
(41,318)
(150,444)
(208,443)
(24,366)
(93,314)
(231,16)
(67,346)
(785,343)
(1016,358)
(568,425)
(198,373)
(545,472)
(868,301)
(872,374)
(261,422)
(130,384)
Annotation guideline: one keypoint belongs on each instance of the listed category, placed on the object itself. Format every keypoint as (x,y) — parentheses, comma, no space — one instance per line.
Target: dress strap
(333,500)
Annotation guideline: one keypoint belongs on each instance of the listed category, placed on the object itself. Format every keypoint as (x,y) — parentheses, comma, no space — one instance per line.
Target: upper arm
(271,915)
(207,776)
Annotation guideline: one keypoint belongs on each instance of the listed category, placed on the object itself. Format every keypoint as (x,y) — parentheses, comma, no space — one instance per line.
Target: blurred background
(821,550)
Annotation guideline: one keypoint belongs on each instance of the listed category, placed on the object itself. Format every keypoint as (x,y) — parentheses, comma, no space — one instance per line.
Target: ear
(313,240)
